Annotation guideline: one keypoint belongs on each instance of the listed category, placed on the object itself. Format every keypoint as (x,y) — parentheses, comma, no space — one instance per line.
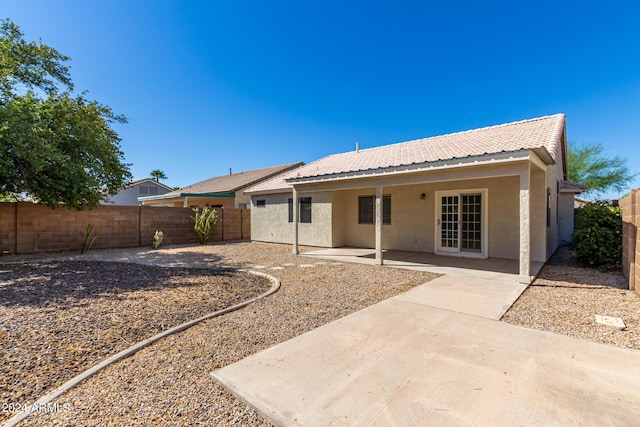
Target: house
(128,196)
(500,192)
(220,191)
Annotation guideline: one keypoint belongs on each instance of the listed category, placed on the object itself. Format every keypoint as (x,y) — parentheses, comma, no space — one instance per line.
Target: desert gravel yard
(566,297)
(52,332)
(168,382)
(58,319)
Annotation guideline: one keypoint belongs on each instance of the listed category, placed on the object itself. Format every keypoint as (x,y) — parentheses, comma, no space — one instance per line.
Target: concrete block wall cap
(14,421)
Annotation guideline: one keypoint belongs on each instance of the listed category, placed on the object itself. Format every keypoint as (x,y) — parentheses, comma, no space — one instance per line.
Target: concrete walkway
(416,359)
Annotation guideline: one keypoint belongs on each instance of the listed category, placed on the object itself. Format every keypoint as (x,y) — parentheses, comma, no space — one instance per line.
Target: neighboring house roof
(148,180)
(544,135)
(226,184)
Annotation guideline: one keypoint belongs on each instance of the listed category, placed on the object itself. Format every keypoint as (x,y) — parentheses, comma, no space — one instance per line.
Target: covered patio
(503,270)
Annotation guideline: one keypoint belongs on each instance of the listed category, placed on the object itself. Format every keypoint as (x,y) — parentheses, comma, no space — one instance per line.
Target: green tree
(55,147)
(157,174)
(591,167)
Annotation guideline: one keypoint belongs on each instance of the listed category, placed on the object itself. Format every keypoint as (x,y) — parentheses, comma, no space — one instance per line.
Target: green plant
(203,222)
(88,239)
(597,239)
(157,239)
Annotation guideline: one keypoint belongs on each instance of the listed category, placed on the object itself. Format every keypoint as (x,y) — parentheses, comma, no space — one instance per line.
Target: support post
(525,227)
(295,222)
(378,220)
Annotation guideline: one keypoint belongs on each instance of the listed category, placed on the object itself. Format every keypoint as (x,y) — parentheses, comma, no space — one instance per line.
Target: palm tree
(157,174)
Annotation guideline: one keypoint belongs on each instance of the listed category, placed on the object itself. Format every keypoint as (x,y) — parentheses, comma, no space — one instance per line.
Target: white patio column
(525,228)
(295,222)
(378,221)
(186,202)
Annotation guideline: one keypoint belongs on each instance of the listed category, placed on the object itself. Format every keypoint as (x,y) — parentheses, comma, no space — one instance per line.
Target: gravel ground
(168,382)
(566,297)
(58,319)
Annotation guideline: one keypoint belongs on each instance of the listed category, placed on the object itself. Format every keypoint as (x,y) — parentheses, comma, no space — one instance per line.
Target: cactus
(88,239)
(203,222)
(157,239)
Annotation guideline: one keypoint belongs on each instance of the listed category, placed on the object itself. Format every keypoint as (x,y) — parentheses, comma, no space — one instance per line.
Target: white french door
(461,223)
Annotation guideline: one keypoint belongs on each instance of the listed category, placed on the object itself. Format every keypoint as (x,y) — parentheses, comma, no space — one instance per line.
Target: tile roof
(540,133)
(233,182)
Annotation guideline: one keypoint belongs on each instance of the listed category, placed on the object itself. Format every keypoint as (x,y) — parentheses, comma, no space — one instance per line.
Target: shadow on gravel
(562,267)
(75,283)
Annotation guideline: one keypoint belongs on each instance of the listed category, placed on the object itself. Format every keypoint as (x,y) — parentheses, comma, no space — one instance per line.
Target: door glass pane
(472,222)
(449,222)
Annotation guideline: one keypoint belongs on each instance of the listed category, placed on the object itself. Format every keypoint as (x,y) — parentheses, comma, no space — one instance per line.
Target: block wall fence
(631,239)
(28,228)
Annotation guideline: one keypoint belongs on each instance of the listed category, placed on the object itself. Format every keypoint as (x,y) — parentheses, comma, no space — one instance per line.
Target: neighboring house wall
(631,239)
(192,202)
(242,201)
(129,196)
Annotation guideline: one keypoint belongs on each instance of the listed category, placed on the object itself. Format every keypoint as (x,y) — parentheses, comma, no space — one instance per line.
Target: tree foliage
(56,148)
(591,167)
(157,174)
(597,239)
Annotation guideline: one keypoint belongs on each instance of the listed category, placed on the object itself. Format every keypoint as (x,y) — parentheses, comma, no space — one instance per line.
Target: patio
(504,270)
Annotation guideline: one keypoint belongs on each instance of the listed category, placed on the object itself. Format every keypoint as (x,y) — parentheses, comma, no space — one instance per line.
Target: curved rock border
(44,400)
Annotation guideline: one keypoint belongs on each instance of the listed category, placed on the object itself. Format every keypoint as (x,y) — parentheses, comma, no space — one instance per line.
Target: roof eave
(479,160)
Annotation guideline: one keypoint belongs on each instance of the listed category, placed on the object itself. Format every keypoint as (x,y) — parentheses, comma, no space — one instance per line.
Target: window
(305,210)
(386,210)
(261,203)
(242,206)
(153,191)
(143,189)
(366,209)
(290,201)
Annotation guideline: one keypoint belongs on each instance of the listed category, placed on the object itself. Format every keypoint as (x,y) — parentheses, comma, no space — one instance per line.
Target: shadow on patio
(487,268)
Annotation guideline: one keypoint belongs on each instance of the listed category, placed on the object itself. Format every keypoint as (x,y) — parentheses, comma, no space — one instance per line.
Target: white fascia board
(421,167)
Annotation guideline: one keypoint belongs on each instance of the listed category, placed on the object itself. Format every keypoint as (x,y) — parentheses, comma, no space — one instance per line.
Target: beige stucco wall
(412,228)
(271,222)
(412,225)
(566,212)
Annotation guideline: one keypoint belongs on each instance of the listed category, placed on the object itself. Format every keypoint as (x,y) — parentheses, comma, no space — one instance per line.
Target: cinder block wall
(631,239)
(31,228)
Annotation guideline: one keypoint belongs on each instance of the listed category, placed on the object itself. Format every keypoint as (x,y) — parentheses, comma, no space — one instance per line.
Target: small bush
(88,239)
(204,222)
(597,236)
(157,239)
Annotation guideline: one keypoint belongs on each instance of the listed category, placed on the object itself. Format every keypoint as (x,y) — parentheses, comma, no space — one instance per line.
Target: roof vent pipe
(357,147)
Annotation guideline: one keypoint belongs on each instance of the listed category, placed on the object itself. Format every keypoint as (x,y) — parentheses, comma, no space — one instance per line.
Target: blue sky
(213,85)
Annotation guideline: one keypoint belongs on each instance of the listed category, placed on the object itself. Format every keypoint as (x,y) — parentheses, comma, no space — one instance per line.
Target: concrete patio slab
(485,298)
(404,363)
(497,269)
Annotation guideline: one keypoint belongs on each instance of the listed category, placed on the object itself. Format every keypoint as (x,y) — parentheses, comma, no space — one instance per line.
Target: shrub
(204,222)
(88,239)
(157,239)
(597,237)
